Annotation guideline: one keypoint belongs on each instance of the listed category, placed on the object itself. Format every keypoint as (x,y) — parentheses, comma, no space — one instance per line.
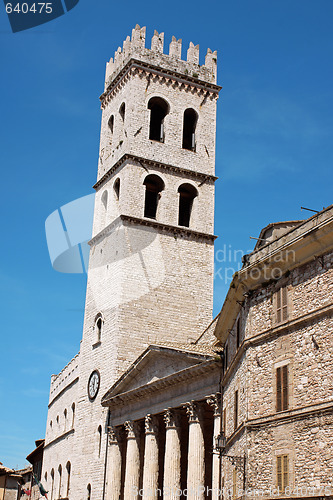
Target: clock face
(93,385)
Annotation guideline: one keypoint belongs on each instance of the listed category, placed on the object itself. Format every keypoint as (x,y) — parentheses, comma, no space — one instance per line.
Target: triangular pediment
(156,363)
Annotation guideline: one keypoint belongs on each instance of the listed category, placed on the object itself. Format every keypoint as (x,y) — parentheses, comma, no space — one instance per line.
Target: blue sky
(274,154)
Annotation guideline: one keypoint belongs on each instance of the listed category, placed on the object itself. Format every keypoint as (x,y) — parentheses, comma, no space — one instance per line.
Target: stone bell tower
(150,274)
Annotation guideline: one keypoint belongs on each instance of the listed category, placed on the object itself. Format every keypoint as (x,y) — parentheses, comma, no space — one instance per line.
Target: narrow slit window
(189,126)
(99,440)
(282,304)
(236,411)
(154,186)
(187,193)
(68,468)
(111,123)
(238,333)
(122,110)
(60,476)
(116,187)
(282,389)
(282,472)
(159,108)
(89,492)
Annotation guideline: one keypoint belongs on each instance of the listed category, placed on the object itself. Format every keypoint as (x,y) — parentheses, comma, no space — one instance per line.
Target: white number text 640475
(24,8)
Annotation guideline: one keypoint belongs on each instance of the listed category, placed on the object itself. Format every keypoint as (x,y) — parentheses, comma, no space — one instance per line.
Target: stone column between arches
(113,489)
(196,453)
(132,467)
(215,402)
(172,456)
(150,466)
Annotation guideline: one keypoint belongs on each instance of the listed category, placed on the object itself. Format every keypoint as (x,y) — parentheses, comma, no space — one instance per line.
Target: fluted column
(132,470)
(196,453)
(114,464)
(215,402)
(171,478)
(150,465)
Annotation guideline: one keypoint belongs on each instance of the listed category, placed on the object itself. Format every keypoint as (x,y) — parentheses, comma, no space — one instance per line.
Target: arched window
(159,108)
(154,185)
(73,414)
(99,440)
(189,126)
(65,419)
(98,327)
(122,111)
(111,123)
(60,476)
(52,483)
(57,419)
(51,423)
(105,200)
(45,476)
(187,193)
(68,468)
(116,187)
(89,492)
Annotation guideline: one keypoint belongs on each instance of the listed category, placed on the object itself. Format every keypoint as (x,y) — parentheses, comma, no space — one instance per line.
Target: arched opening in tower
(159,108)
(154,185)
(187,193)
(189,126)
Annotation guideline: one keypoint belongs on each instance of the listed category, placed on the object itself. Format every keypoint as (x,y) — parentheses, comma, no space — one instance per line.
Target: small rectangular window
(238,333)
(226,361)
(281,305)
(225,421)
(236,411)
(282,472)
(282,389)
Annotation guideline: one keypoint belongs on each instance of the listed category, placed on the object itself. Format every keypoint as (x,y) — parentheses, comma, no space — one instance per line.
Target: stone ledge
(155,164)
(165,228)
(281,329)
(59,438)
(62,391)
(167,73)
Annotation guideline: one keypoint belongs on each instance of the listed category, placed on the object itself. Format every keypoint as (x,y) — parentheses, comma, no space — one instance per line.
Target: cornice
(299,246)
(134,65)
(159,226)
(59,438)
(276,331)
(160,385)
(68,386)
(144,162)
(290,415)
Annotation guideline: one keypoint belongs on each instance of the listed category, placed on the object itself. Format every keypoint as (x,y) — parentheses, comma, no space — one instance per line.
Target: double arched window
(187,193)
(189,126)
(159,108)
(154,185)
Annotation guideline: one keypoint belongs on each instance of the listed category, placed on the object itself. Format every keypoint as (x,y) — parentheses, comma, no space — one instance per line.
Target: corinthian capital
(114,435)
(193,411)
(171,419)
(132,429)
(214,400)
(151,424)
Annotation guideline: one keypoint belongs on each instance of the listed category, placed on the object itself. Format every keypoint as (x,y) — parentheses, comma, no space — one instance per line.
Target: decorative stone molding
(132,429)
(146,163)
(114,435)
(193,411)
(151,424)
(214,400)
(171,419)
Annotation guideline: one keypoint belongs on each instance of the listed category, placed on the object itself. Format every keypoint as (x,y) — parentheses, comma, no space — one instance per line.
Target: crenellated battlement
(134,48)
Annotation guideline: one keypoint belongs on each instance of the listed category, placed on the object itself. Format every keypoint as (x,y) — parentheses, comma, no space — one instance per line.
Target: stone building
(276,329)
(151,265)
(162,396)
